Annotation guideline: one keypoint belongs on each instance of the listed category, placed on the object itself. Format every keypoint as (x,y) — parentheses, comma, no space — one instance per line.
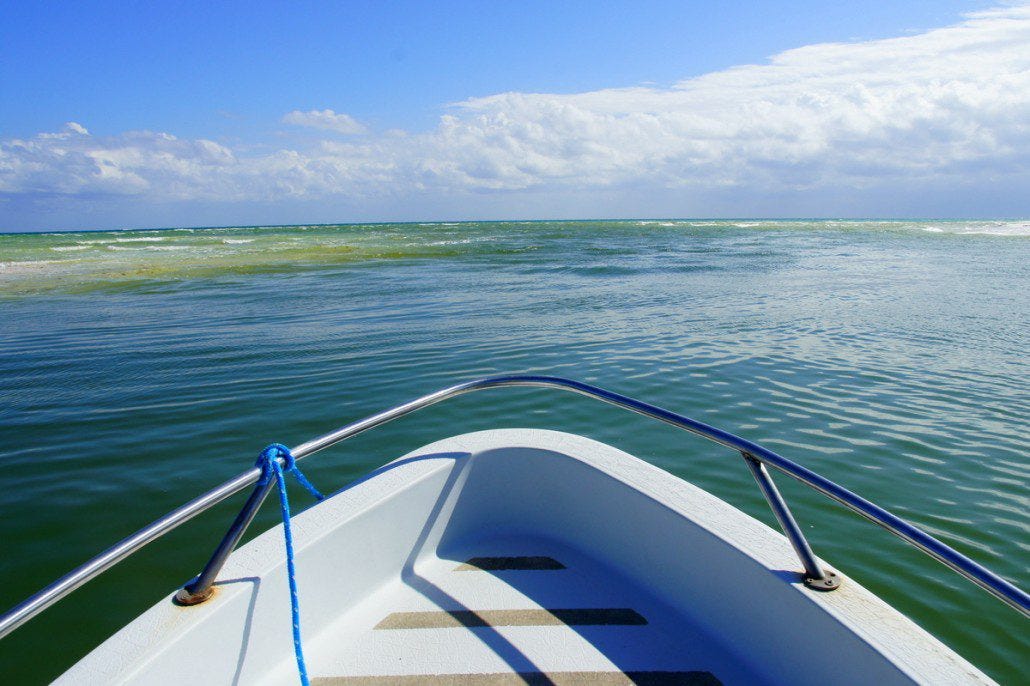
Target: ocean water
(140,368)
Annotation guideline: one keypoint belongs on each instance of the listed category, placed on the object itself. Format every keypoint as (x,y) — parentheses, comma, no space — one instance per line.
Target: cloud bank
(945,109)
(324,119)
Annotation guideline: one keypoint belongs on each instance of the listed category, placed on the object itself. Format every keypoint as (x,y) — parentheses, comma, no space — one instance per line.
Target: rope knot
(268,460)
(275,451)
(270,455)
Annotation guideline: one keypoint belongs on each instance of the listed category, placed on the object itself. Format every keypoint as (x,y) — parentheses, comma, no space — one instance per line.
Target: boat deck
(515,617)
(524,556)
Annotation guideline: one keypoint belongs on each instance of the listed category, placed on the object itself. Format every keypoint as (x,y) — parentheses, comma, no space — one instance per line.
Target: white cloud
(324,119)
(931,104)
(160,165)
(940,110)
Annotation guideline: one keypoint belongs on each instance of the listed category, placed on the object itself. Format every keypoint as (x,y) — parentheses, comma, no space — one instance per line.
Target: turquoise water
(138,369)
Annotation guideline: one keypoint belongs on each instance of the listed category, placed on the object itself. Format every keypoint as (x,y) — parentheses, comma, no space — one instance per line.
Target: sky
(154,114)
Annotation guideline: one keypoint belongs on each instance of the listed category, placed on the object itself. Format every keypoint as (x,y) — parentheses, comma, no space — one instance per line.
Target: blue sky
(157,114)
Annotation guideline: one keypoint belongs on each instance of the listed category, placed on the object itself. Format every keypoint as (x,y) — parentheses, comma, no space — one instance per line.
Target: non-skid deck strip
(494,564)
(446,619)
(693,678)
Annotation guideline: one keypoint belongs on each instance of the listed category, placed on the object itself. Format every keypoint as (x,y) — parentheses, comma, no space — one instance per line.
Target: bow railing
(755,456)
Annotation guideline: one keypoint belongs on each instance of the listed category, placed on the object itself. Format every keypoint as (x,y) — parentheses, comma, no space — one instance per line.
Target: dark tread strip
(445,619)
(497,564)
(692,678)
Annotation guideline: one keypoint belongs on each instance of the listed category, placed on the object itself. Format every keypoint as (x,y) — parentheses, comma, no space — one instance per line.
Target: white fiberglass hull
(516,556)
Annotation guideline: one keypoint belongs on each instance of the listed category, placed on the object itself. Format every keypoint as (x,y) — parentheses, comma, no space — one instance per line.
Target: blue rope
(269,463)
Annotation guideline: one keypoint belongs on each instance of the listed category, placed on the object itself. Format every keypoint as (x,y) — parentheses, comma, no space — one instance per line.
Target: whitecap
(984,228)
(463,241)
(30,265)
(234,241)
(65,248)
(1000,229)
(124,248)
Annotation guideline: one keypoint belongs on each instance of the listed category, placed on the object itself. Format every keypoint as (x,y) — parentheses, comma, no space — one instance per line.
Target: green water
(138,369)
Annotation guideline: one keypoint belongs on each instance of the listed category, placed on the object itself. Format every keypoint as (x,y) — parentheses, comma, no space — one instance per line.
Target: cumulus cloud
(945,106)
(324,119)
(72,162)
(933,104)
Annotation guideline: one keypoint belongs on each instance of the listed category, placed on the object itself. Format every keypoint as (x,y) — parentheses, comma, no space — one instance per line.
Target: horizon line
(517,221)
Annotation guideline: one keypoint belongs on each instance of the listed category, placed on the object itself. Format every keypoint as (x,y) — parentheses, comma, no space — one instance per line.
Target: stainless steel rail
(755,455)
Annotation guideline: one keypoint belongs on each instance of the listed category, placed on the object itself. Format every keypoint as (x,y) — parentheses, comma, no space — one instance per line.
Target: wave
(1021,228)
(953,227)
(30,266)
(121,248)
(117,239)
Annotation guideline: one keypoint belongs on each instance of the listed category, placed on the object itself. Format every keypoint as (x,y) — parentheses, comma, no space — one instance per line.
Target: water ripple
(880,354)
